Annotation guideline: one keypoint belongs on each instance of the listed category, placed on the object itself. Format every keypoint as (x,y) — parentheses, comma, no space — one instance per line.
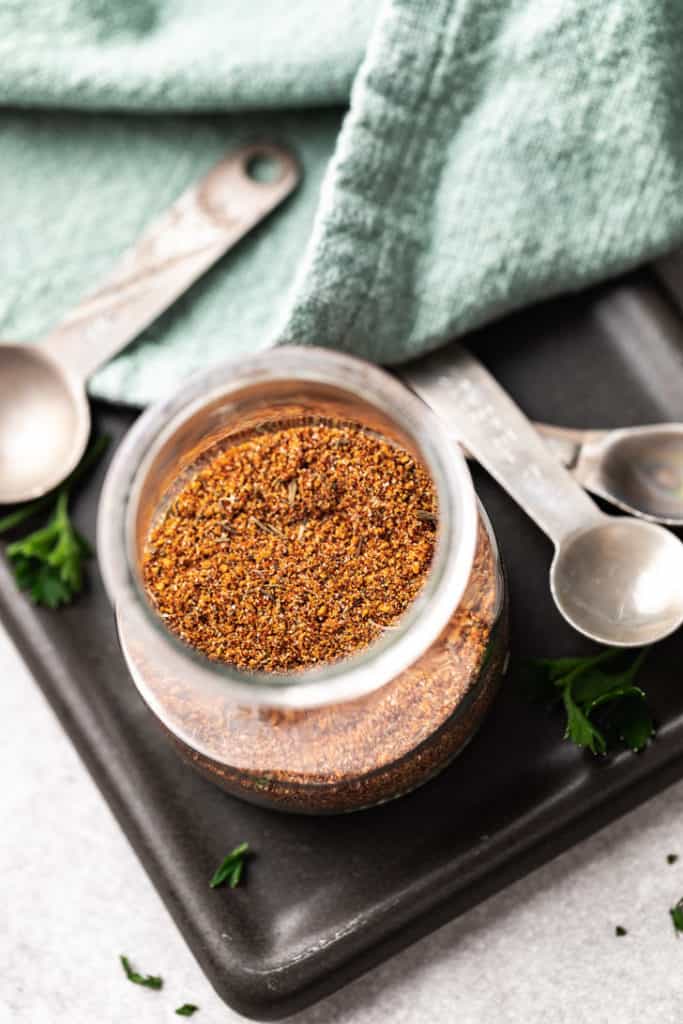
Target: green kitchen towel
(495,152)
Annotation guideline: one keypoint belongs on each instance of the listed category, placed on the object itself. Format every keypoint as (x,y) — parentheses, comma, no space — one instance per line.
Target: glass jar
(342,736)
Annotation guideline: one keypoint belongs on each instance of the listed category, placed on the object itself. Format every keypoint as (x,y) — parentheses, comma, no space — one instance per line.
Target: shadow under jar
(340,736)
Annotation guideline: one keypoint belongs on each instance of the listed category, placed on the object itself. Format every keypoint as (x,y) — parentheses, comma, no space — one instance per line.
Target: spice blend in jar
(293,548)
(353,755)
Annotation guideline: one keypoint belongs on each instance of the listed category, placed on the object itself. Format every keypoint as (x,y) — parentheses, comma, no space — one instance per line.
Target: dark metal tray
(327,898)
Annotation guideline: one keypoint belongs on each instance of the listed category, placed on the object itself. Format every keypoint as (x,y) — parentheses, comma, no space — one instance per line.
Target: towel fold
(495,152)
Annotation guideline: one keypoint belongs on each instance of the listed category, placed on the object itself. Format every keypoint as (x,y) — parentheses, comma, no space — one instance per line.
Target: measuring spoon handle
(481,415)
(206,221)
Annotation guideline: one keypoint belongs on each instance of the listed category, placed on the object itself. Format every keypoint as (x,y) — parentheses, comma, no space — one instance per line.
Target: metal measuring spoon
(618,580)
(638,469)
(44,412)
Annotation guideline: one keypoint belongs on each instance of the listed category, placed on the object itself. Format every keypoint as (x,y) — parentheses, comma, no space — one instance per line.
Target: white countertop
(74,897)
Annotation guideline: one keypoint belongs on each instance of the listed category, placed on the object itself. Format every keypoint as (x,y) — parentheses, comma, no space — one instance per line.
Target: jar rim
(363,672)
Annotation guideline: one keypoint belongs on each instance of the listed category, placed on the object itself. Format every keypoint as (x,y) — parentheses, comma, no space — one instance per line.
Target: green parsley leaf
(677,916)
(580,730)
(593,686)
(41,582)
(231,869)
(632,722)
(186,1010)
(671,858)
(48,563)
(543,679)
(619,930)
(148,980)
(602,707)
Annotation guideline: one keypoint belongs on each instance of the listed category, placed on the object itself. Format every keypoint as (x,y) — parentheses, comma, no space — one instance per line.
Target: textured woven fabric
(77,189)
(172,55)
(495,152)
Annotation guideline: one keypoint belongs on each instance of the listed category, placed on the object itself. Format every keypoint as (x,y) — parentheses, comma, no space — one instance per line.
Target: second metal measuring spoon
(638,469)
(44,412)
(618,580)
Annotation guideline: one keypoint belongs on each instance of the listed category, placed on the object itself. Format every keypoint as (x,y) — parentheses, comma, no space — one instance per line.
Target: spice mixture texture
(293,548)
(348,756)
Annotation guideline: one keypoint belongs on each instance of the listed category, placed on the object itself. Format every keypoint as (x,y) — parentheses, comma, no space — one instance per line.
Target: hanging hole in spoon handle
(264,168)
(174,251)
(483,417)
(249,183)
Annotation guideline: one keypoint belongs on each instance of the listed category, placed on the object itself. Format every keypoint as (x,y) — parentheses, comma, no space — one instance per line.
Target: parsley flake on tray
(48,564)
(187,1010)
(231,869)
(601,707)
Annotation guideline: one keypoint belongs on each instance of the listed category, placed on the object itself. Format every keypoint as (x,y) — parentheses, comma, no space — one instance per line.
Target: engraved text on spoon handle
(483,417)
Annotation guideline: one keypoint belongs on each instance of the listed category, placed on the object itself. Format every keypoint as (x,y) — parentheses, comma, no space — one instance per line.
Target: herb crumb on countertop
(677,916)
(148,980)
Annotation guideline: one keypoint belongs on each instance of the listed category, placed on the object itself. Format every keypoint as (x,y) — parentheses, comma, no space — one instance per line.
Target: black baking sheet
(327,898)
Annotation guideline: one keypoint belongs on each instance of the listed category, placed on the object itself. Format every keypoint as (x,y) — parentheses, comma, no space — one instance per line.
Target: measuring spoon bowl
(619,581)
(44,422)
(640,469)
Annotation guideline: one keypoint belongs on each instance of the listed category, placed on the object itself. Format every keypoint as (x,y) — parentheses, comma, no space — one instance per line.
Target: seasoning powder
(293,548)
(347,756)
(297,547)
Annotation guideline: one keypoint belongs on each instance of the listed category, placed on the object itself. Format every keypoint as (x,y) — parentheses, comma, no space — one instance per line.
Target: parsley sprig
(602,707)
(148,980)
(49,562)
(231,869)
(187,1010)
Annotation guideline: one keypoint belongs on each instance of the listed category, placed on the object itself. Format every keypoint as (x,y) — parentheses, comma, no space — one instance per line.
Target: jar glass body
(355,733)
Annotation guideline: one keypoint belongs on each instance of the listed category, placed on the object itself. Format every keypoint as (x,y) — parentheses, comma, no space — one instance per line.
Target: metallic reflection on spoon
(638,469)
(616,579)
